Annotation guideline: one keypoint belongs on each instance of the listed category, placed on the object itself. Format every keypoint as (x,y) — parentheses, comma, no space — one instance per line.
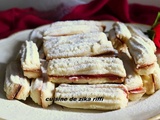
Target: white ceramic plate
(18,110)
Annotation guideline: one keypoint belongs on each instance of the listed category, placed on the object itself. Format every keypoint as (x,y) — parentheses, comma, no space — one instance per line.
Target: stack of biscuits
(137,52)
(75,64)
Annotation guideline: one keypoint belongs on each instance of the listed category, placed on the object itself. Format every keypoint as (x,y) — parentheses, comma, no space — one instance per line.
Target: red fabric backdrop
(14,20)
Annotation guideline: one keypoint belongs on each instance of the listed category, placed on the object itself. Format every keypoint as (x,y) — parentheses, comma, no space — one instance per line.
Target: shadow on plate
(2,77)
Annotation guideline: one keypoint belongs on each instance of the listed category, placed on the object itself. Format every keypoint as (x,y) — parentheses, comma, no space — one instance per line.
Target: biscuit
(137,32)
(42,89)
(132,81)
(148,84)
(116,42)
(30,61)
(151,82)
(142,54)
(121,32)
(88,44)
(16,85)
(101,97)
(86,70)
(64,28)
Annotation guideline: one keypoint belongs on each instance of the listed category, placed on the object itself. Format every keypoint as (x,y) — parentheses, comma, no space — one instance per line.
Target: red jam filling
(78,77)
(137,90)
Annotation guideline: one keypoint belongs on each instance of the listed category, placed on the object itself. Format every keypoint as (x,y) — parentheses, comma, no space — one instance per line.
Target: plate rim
(81,115)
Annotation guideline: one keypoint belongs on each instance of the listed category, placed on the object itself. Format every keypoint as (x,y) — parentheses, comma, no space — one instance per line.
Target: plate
(18,110)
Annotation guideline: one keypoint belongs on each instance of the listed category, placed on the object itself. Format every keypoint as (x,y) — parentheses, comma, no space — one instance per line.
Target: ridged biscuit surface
(64,28)
(121,31)
(138,32)
(86,66)
(141,52)
(88,44)
(102,97)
